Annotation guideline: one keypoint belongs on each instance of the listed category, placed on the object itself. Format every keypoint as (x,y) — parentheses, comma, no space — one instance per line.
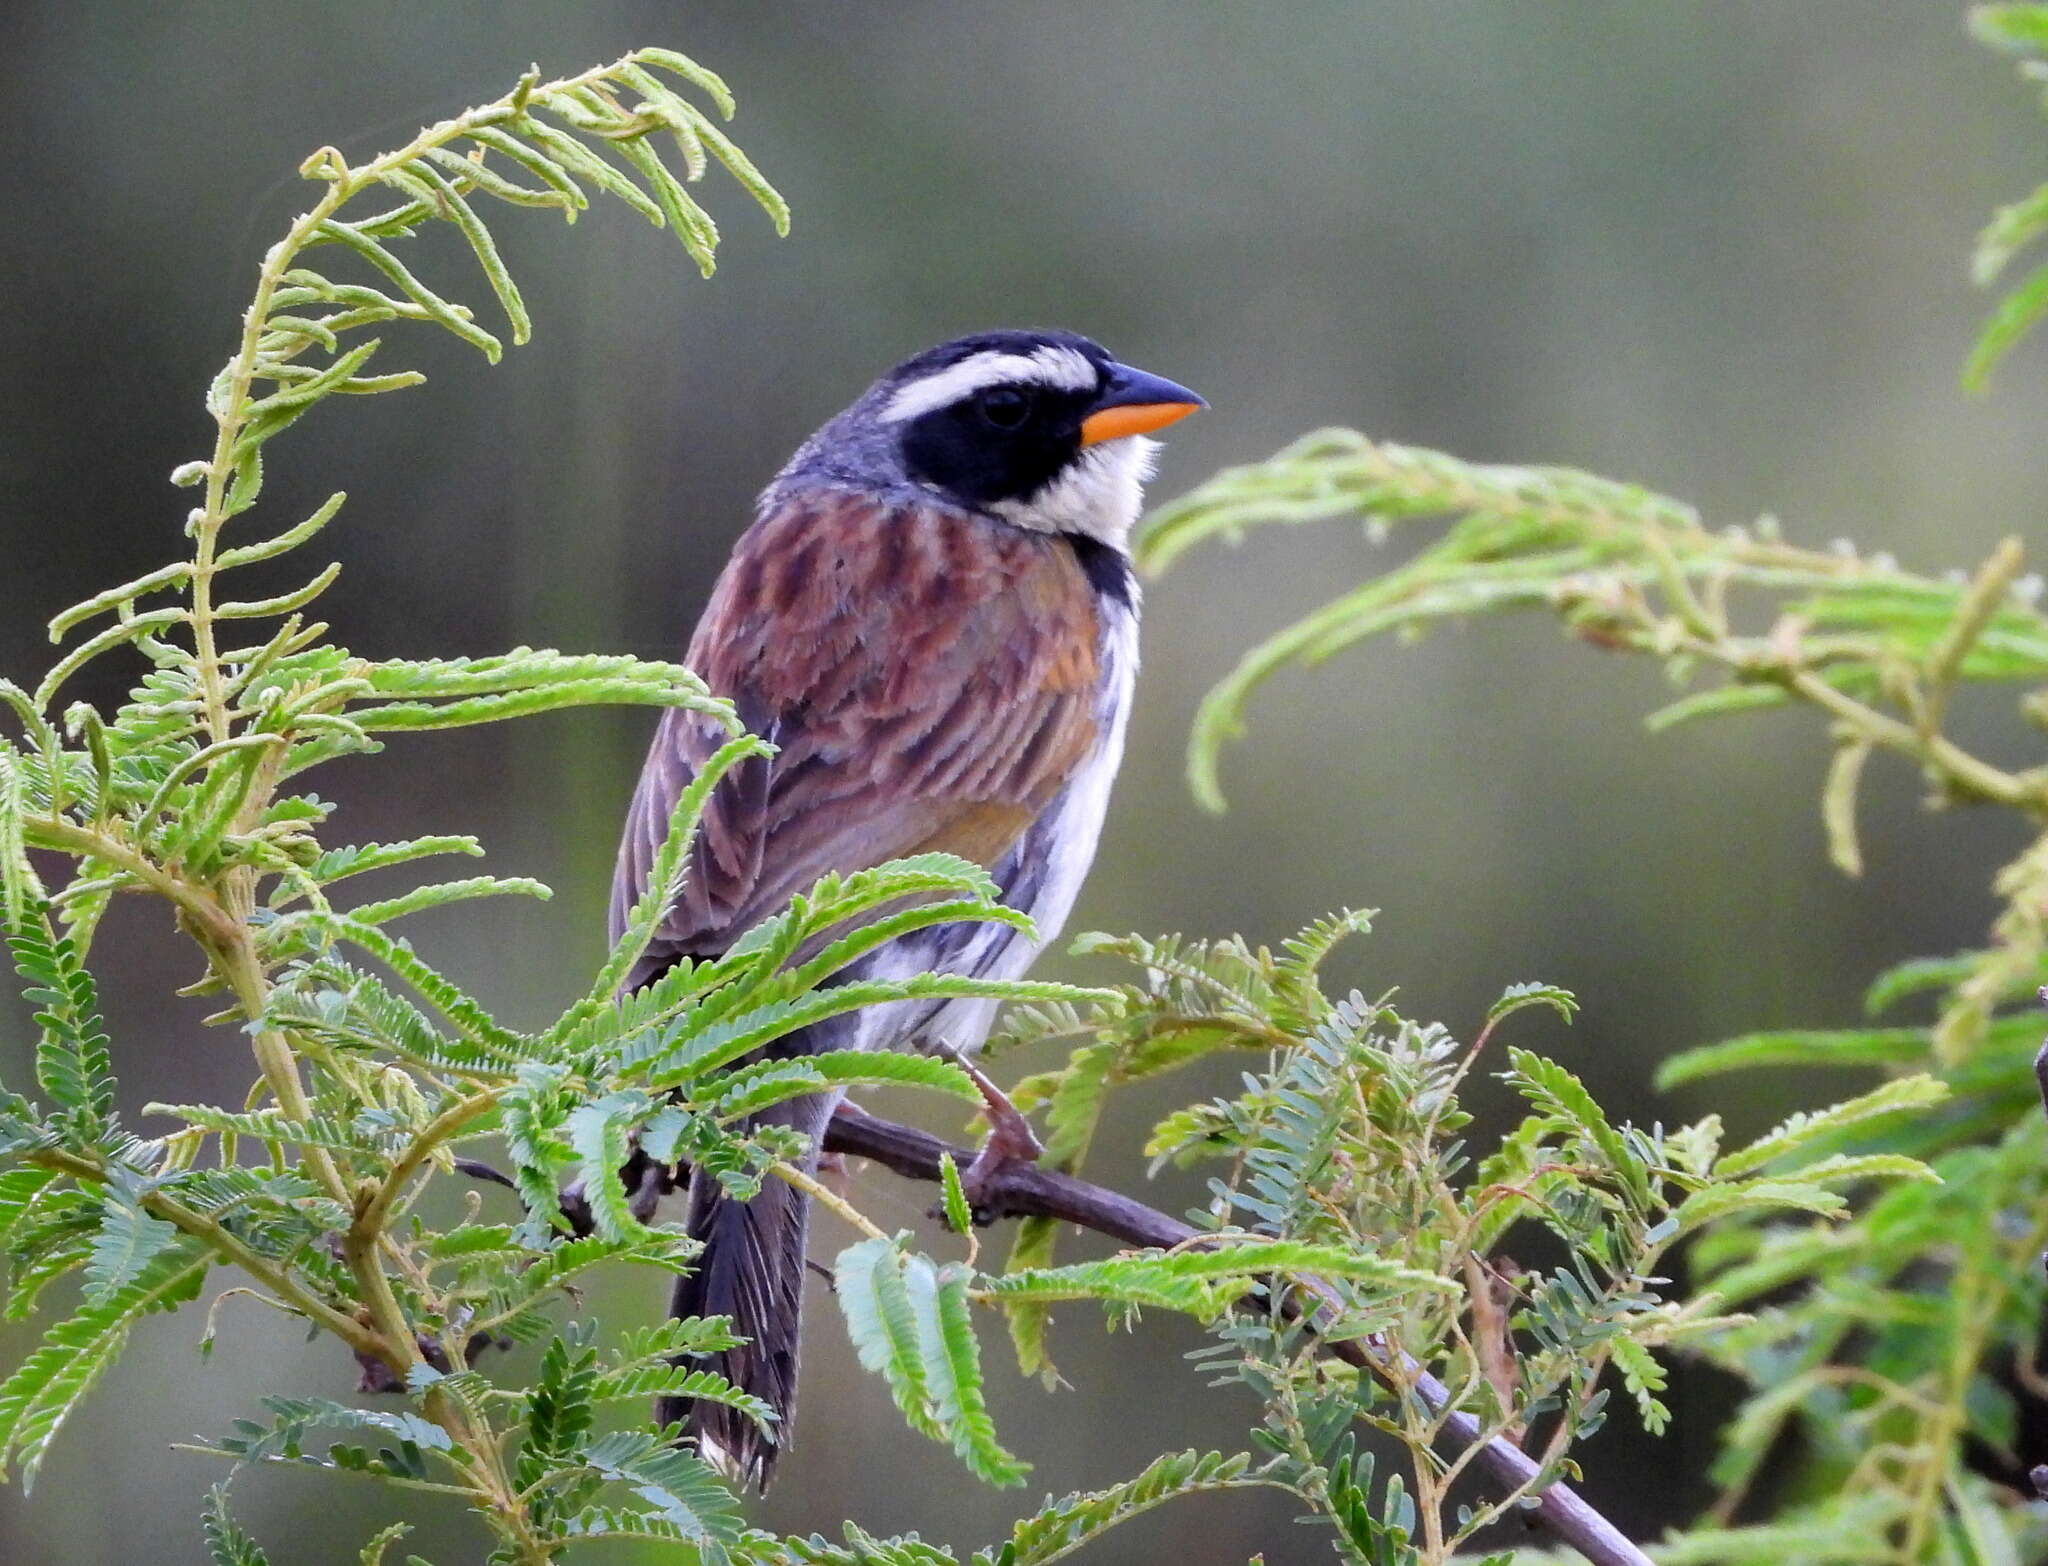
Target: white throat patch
(1063,369)
(1098,494)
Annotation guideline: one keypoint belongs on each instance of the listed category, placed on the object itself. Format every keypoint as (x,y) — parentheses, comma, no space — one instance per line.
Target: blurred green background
(1715,247)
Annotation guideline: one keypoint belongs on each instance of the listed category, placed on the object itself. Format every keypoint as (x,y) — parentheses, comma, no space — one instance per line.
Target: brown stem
(1017,1190)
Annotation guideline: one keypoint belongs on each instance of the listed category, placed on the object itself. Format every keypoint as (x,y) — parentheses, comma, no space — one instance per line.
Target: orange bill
(1132,418)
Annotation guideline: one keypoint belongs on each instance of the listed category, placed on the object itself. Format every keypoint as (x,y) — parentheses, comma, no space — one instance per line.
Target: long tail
(751,1269)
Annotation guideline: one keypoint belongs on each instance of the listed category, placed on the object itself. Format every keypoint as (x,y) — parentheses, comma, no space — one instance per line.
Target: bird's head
(1043,429)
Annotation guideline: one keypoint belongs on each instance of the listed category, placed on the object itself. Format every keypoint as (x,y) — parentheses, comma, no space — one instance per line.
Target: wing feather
(928,676)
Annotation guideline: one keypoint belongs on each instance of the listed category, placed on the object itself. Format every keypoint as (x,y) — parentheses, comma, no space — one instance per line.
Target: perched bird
(934,621)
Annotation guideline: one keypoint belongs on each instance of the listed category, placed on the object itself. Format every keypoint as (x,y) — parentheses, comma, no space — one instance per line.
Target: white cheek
(1099,494)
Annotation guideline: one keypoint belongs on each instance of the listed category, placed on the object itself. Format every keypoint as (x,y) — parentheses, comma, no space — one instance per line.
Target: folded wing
(928,677)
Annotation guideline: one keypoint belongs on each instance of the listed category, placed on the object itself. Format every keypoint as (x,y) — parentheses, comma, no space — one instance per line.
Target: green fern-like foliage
(1879,1329)
(2013,229)
(1350,1192)
(375,1069)
(1752,621)
(1355,1258)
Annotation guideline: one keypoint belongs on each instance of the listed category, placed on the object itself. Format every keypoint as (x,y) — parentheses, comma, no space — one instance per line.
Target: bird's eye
(1005,407)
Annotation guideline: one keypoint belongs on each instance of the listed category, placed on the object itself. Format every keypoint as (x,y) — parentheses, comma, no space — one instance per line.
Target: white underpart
(1062,369)
(722,1462)
(1075,829)
(1098,494)
(1085,801)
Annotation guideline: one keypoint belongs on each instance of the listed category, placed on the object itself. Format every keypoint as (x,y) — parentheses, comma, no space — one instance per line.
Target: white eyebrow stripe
(1062,368)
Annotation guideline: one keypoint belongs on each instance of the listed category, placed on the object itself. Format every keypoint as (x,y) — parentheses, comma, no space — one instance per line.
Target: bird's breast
(1040,875)
(1055,856)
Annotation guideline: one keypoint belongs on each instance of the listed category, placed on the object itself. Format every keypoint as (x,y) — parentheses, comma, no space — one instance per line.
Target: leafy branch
(1879,649)
(1350,1261)
(1879,1333)
(378,1074)
(373,1076)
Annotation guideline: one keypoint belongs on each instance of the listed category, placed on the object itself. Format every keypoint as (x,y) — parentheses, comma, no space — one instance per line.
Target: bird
(933,620)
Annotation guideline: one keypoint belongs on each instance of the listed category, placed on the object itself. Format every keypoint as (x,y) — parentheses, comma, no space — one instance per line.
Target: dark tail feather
(751,1269)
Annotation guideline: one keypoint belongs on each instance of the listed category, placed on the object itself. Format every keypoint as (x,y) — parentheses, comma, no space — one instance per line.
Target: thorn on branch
(476,1169)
